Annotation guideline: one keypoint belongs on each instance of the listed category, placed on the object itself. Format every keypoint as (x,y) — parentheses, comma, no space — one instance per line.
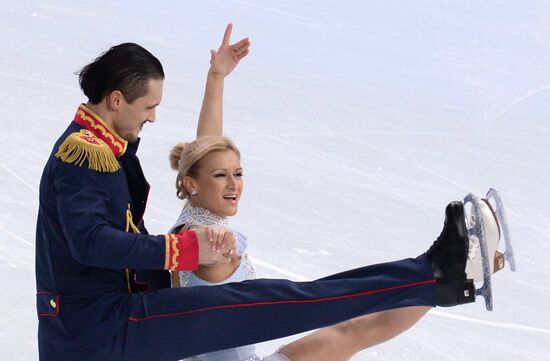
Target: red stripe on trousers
(366,293)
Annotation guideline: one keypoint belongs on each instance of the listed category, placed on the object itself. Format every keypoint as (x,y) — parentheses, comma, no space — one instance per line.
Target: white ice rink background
(358,122)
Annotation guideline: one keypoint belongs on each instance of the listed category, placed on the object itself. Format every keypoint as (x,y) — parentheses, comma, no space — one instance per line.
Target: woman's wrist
(212,74)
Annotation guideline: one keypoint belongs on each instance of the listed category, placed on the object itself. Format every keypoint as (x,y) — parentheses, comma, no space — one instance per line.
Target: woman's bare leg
(340,342)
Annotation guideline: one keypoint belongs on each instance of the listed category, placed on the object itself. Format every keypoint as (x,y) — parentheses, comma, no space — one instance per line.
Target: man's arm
(222,63)
(83,198)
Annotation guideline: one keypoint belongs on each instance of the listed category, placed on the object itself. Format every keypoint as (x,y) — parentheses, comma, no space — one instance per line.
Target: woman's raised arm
(222,63)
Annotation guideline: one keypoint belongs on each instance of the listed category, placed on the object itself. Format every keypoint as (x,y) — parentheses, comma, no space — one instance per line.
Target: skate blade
(474,266)
(478,241)
(494,200)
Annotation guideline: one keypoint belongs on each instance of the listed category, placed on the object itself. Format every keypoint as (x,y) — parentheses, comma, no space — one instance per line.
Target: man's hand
(215,245)
(223,61)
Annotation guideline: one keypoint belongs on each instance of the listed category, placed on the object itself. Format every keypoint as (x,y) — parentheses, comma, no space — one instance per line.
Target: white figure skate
(487,226)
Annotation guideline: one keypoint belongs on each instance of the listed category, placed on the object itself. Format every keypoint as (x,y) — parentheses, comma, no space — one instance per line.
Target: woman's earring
(193,193)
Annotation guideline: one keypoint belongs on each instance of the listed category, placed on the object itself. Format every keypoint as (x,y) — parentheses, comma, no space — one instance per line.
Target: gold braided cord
(130,222)
(176,253)
(129,225)
(82,146)
(167,256)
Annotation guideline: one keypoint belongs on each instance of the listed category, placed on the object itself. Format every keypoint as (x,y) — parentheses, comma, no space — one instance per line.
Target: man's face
(132,117)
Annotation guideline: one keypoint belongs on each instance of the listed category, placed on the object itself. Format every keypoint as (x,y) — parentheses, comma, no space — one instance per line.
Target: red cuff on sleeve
(182,252)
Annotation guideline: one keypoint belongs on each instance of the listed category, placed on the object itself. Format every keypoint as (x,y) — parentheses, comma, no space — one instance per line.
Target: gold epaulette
(84,145)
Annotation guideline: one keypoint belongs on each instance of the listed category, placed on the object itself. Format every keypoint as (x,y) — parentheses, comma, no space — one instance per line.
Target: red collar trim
(93,122)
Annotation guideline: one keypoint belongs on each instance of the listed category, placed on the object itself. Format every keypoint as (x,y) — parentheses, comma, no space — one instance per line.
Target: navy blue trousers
(175,323)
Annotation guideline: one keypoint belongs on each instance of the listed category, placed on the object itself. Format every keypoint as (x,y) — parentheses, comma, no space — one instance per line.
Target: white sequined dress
(193,217)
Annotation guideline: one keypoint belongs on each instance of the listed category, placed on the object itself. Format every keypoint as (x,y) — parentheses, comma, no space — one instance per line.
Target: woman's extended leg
(340,342)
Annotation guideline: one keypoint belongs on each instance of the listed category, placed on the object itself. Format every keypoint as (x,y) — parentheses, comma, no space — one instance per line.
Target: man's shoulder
(82,148)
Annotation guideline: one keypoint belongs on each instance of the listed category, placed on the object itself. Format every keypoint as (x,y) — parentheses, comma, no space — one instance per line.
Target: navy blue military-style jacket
(91,241)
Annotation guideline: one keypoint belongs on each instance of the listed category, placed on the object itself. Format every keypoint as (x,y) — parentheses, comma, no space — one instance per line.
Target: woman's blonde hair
(185,157)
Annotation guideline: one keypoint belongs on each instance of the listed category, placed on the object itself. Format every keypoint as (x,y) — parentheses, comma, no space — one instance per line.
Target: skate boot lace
(436,251)
(446,253)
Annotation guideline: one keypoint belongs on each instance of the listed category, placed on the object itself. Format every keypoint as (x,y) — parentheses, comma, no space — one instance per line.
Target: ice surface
(358,122)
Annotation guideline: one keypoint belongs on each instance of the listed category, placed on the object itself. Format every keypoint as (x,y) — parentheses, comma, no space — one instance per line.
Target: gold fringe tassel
(82,146)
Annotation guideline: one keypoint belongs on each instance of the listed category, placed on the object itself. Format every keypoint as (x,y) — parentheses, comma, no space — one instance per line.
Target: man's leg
(175,323)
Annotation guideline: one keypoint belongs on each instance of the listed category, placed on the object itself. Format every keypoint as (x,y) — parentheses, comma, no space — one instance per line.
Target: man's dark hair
(126,67)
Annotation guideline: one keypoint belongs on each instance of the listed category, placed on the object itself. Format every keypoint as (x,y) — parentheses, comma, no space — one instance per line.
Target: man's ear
(114,100)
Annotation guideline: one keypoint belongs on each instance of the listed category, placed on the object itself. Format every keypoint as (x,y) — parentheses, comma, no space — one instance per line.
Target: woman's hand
(221,240)
(215,245)
(223,61)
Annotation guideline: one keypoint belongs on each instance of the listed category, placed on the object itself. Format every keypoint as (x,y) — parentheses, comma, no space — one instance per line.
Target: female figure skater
(210,181)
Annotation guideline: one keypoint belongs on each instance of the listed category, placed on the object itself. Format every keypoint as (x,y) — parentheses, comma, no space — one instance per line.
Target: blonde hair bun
(175,155)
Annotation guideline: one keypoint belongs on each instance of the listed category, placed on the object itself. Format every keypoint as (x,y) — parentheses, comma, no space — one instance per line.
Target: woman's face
(219,183)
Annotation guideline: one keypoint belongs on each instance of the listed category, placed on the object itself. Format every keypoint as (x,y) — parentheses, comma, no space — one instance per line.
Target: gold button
(52,303)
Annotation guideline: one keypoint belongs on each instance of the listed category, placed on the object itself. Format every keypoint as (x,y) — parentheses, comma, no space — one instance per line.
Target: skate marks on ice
(505,325)
(21,180)
(510,211)
(10,257)
(337,160)
(513,103)
(8,254)
(433,348)
(6,326)
(7,260)
(387,187)
(278,270)
(36,81)
(16,237)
